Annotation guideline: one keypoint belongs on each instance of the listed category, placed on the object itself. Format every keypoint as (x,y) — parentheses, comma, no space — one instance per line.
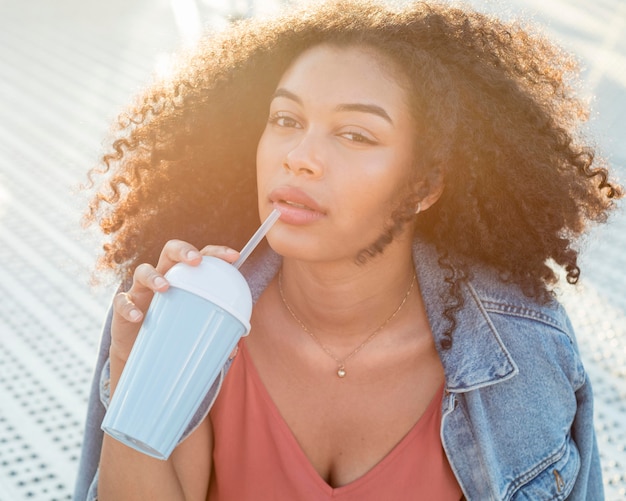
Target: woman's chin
(290,249)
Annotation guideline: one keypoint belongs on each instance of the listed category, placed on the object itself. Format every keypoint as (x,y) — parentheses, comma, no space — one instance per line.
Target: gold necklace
(341,362)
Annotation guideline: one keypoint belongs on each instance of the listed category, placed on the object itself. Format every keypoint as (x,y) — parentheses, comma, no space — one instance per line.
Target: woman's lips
(296,207)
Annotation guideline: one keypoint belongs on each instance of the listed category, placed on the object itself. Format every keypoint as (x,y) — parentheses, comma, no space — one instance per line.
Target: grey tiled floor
(66,67)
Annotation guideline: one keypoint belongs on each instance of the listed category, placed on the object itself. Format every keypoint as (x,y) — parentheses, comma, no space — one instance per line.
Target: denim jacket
(517,416)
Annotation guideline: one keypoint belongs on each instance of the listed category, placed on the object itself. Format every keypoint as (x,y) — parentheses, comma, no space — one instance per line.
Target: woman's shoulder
(498,296)
(538,335)
(485,293)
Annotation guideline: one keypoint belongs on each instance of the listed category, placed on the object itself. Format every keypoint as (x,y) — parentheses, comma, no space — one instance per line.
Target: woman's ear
(433,196)
(429,192)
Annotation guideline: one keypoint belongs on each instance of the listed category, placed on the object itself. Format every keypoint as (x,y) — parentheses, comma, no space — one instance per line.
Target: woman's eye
(283,121)
(357,137)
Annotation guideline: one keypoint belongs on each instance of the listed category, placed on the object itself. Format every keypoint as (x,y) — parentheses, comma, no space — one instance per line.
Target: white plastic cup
(185,340)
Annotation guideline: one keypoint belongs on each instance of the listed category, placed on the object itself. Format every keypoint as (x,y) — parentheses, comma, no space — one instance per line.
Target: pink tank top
(257,458)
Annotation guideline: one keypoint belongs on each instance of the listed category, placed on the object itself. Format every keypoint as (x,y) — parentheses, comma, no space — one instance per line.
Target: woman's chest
(346,426)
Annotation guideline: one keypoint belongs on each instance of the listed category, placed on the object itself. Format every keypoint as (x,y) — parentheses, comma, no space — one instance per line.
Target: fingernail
(192,254)
(134,315)
(228,250)
(160,282)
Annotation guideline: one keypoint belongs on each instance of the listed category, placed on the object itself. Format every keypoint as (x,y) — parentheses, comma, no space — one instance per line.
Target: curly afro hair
(497,119)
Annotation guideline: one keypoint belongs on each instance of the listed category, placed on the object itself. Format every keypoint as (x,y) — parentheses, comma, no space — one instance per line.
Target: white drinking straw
(257,237)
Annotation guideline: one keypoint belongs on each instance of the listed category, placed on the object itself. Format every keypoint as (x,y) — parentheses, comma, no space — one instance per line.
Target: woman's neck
(346,300)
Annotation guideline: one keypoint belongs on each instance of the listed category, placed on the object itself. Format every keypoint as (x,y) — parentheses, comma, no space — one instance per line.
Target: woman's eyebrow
(360,107)
(365,108)
(280,92)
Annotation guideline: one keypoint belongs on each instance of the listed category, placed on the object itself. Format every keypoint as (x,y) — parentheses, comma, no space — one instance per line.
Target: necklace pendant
(341,372)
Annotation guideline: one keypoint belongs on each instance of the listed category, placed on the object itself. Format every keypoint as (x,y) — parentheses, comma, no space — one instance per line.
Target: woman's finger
(177,251)
(220,251)
(146,276)
(125,307)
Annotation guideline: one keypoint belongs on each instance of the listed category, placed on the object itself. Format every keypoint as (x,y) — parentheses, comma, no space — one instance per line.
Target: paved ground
(65,69)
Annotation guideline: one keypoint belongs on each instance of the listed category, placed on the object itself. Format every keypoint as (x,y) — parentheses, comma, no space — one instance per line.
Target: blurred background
(66,69)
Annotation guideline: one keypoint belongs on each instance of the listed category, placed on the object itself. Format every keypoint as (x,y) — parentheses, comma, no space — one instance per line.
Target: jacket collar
(477,358)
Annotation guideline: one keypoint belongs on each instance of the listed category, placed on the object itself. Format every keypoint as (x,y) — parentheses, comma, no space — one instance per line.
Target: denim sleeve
(588,486)
(92,437)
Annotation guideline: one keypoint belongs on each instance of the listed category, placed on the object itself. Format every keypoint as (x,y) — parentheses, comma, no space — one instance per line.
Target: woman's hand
(126,474)
(129,307)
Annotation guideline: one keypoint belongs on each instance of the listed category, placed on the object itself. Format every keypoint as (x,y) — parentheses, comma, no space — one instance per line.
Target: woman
(405,343)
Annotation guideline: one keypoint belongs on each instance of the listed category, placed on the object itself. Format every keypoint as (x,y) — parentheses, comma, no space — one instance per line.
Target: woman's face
(336,154)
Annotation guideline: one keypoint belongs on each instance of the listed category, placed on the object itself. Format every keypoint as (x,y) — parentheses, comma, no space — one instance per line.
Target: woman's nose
(306,156)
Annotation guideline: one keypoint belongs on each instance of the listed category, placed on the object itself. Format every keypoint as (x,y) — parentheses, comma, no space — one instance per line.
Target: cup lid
(217,281)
